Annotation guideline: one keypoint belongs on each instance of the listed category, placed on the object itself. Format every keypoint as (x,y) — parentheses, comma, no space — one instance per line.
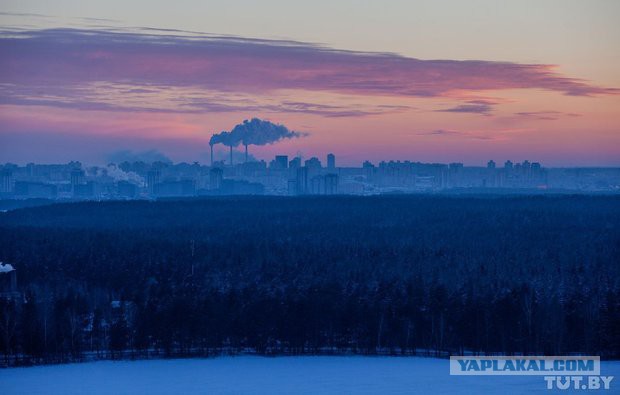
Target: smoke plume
(148,156)
(119,174)
(254,132)
(223,138)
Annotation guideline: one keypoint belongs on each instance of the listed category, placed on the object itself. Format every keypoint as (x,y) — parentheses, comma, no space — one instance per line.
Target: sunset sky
(430,81)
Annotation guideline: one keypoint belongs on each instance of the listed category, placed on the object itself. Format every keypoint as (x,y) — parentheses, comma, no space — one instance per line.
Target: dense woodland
(391,274)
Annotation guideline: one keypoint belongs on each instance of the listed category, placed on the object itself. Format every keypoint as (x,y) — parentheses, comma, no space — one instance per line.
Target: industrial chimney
(211,154)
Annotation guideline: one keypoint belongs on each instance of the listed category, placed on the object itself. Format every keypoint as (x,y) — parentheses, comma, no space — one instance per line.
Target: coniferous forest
(414,275)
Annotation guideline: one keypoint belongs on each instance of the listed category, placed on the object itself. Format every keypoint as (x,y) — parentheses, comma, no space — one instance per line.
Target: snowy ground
(261,375)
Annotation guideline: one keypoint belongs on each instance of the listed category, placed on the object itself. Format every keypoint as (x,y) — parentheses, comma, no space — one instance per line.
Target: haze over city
(426,81)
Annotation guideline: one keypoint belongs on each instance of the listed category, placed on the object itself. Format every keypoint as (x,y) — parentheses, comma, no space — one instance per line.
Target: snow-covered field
(262,375)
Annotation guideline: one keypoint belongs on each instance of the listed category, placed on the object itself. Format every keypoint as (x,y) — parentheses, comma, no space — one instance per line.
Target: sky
(430,81)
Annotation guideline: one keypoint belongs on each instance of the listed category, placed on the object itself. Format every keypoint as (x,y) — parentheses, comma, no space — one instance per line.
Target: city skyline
(413,84)
(285,175)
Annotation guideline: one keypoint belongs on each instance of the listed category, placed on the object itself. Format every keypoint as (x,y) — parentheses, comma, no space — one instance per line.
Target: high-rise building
(491,165)
(6,181)
(216,175)
(30,169)
(77,177)
(295,163)
(331,161)
(331,184)
(536,171)
(456,178)
(367,165)
(317,185)
(281,162)
(302,181)
(291,187)
(508,165)
(369,169)
(526,167)
(455,167)
(152,179)
(77,181)
(313,163)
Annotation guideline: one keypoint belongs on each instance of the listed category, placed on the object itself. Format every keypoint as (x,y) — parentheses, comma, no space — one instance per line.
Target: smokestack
(246,153)
(231,163)
(211,154)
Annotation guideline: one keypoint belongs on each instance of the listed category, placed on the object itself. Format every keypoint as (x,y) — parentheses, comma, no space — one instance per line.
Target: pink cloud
(545,115)
(482,107)
(60,62)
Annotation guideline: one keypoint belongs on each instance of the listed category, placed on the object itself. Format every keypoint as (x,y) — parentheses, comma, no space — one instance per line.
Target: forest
(402,275)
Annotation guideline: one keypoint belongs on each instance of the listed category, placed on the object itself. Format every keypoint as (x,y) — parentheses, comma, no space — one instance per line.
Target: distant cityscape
(290,176)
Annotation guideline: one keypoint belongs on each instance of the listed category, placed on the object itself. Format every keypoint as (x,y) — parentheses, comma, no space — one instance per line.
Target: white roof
(5,268)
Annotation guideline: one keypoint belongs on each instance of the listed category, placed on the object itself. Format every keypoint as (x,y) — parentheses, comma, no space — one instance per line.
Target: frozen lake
(262,375)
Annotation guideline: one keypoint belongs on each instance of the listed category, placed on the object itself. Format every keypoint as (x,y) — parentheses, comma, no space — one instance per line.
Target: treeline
(392,274)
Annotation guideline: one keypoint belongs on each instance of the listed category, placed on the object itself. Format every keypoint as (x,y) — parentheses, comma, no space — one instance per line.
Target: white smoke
(119,174)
